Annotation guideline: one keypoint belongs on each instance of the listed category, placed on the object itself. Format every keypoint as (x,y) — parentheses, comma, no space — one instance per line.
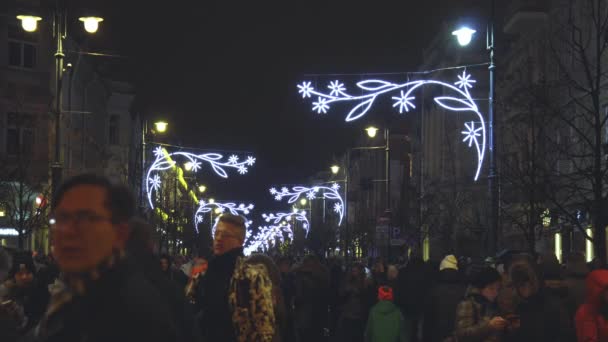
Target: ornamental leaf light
(300,216)
(165,160)
(230,207)
(458,100)
(297,192)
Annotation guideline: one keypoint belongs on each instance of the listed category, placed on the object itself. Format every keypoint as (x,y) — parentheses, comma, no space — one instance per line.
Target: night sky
(224,73)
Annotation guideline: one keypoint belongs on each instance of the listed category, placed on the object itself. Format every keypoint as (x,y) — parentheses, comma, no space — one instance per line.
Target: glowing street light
(335,169)
(217,210)
(188,166)
(371,131)
(161,126)
(29,22)
(464,35)
(303,201)
(211,200)
(202,188)
(91,24)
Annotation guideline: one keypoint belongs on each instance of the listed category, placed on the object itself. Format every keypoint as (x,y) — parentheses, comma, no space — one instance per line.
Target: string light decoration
(266,237)
(277,218)
(459,100)
(330,193)
(165,160)
(207,206)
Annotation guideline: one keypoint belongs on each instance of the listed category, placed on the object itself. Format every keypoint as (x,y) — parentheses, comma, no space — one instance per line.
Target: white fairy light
(165,160)
(276,218)
(459,100)
(326,192)
(232,208)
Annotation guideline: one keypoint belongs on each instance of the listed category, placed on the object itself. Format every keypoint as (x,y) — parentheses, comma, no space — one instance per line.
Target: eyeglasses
(79,217)
(224,235)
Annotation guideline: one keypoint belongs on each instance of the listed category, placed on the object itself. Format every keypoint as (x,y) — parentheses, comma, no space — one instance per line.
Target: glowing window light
(8,232)
(330,193)
(589,245)
(165,160)
(300,216)
(558,247)
(546,217)
(458,100)
(219,208)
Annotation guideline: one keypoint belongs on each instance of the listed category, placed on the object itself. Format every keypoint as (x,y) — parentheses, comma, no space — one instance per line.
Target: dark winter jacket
(473,316)
(592,317)
(386,324)
(439,317)
(543,316)
(575,279)
(118,304)
(311,299)
(413,285)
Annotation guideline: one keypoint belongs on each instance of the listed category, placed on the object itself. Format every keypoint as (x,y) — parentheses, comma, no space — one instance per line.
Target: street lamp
(202,188)
(335,169)
(371,131)
(211,200)
(188,166)
(303,201)
(161,126)
(29,23)
(464,36)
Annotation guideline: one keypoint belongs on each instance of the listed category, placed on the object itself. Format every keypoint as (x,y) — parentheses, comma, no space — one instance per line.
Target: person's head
(524,279)
(392,272)
(140,236)
(378,266)
(357,271)
(488,282)
(165,263)
(23,270)
(90,221)
(385,293)
(284,265)
(230,233)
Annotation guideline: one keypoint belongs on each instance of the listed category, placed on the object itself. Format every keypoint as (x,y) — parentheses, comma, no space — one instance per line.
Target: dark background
(224,73)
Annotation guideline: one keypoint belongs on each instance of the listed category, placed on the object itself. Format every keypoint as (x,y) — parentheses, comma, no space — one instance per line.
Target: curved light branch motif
(460,100)
(165,160)
(266,237)
(234,209)
(277,218)
(330,193)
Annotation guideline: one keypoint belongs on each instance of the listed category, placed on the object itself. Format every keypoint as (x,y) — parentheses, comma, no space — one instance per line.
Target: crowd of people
(103,282)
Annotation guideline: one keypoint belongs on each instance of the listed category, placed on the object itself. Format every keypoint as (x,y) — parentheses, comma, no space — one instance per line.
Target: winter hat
(485,277)
(385,293)
(449,262)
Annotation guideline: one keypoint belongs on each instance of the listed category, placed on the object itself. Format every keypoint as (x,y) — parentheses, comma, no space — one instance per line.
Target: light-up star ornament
(300,216)
(458,99)
(330,193)
(206,207)
(165,160)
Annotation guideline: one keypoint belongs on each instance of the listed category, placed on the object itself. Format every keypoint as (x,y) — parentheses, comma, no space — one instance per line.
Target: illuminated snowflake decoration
(300,216)
(457,99)
(167,160)
(205,207)
(297,192)
(471,134)
(320,106)
(336,88)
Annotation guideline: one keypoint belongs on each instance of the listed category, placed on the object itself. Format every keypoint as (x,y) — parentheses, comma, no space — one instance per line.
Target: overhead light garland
(277,218)
(234,209)
(266,237)
(460,101)
(311,193)
(165,160)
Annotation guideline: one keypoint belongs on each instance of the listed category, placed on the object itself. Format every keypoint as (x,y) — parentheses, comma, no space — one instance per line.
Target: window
(113,130)
(21,48)
(12,141)
(20,136)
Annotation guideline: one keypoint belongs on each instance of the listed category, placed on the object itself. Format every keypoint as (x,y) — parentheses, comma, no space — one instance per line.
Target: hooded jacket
(439,317)
(591,324)
(386,324)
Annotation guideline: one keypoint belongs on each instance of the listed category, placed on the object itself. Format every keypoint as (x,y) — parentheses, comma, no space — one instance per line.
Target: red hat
(385,293)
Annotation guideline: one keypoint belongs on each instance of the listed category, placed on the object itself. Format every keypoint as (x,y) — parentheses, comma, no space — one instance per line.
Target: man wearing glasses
(235,296)
(105,299)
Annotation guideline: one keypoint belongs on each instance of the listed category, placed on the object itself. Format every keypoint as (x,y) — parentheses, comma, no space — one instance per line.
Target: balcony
(525,15)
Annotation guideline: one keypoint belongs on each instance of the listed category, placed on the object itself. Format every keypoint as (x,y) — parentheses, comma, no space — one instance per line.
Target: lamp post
(372,132)
(464,36)
(29,23)
(334,170)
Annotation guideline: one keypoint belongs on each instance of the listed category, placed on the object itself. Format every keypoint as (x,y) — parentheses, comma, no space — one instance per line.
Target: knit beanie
(449,262)
(485,277)
(385,293)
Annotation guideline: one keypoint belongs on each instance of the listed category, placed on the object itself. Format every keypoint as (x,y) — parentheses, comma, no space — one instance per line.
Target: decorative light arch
(460,101)
(298,216)
(165,160)
(206,207)
(311,193)
(266,235)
